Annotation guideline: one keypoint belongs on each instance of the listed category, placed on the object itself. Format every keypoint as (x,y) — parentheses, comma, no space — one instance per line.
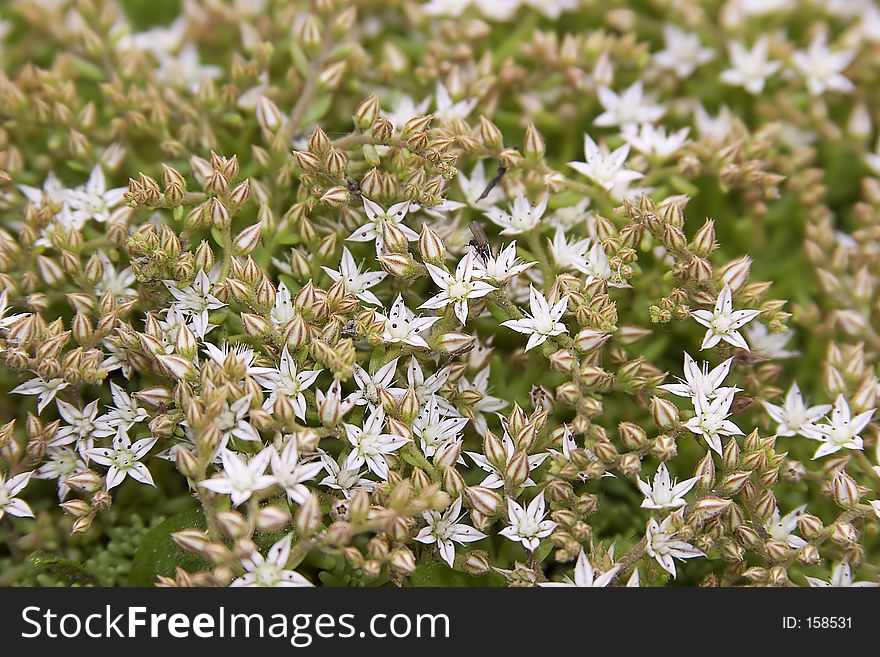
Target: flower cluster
(346,312)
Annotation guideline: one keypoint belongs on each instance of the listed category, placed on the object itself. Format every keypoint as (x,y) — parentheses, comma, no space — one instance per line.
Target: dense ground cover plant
(487,292)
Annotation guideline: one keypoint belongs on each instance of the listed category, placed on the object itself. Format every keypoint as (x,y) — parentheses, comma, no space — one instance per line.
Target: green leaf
(317,109)
(87,69)
(65,570)
(300,61)
(158,555)
(543,550)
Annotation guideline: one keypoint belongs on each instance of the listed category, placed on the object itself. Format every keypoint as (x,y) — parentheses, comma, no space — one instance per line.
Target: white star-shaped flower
(9,489)
(523,217)
(629,106)
(270,570)
(841,577)
(124,459)
(457,289)
(346,480)
(241,478)
(290,471)
(401,325)
(605,168)
(370,385)
(840,431)
(654,142)
(448,109)
(502,267)
(542,321)
(710,419)
(723,322)
(782,528)
(286,381)
(664,493)
(822,68)
(356,281)
(682,52)
(45,390)
(93,200)
(662,545)
(445,528)
(473,186)
(750,68)
(194,301)
(769,344)
(585,576)
(376,216)
(434,427)
(370,445)
(527,525)
(703,380)
(794,415)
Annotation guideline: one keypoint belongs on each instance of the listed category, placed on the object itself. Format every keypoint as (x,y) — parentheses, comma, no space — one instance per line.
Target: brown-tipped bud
(664,447)
(187,463)
(403,561)
(562,361)
(232,524)
(248,239)
(455,341)
(493,449)
(736,273)
(76,508)
(431,246)
(845,490)
(191,540)
(272,519)
(306,160)
(476,562)
(218,213)
(393,238)
(86,481)
(810,526)
(704,239)
(335,197)
(417,125)
(308,516)
(632,435)
(664,412)
(517,470)
(490,134)
(366,112)
(591,339)
(453,482)
(534,147)
(705,471)
(709,507)
(269,117)
(484,500)
(240,193)
(332,75)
